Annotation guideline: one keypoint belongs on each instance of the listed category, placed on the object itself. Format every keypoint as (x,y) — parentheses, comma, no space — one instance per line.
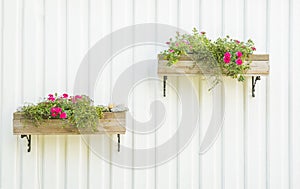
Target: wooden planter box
(259,66)
(111,123)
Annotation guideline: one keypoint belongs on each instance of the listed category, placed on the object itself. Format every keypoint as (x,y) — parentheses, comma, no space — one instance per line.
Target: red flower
(237,41)
(239,54)
(239,61)
(253,48)
(51,98)
(227,55)
(56,110)
(63,115)
(168,43)
(65,95)
(226,59)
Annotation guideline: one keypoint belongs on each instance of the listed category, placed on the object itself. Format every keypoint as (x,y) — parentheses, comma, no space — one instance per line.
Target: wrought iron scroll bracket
(254,80)
(119,141)
(28,137)
(165,85)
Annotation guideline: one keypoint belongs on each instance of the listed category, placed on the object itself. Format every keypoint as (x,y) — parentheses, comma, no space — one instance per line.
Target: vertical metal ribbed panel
(43,43)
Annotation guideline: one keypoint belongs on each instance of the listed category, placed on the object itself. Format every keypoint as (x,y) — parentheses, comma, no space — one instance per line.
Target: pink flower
(203,33)
(177,44)
(56,110)
(191,47)
(168,43)
(171,51)
(253,48)
(53,114)
(227,55)
(239,54)
(239,61)
(186,42)
(63,115)
(78,97)
(51,98)
(226,59)
(74,99)
(237,41)
(50,95)
(65,95)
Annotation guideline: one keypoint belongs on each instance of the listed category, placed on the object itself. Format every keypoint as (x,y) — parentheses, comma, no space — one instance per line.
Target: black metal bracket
(28,137)
(119,141)
(254,80)
(165,85)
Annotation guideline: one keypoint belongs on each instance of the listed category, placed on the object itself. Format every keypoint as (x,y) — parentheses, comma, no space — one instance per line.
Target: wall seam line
(1,97)
(290,104)
(267,184)
(178,139)
(222,133)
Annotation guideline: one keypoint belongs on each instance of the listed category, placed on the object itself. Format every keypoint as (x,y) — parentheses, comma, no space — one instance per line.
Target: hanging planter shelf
(187,67)
(111,123)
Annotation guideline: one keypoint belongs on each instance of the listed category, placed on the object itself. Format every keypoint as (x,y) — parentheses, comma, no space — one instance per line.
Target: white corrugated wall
(44,41)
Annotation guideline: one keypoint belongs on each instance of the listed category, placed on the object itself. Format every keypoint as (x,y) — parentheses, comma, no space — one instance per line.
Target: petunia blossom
(53,110)
(78,97)
(63,115)
(75,98)
(56,110)
(54,114)
(239,61)
(239,54)
(65,95)
(253,48)
(227,54)
(51,98)
(226,59)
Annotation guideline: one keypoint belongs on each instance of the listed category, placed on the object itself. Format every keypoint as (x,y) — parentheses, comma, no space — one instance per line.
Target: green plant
(75,110)
(100,110)
(227,54)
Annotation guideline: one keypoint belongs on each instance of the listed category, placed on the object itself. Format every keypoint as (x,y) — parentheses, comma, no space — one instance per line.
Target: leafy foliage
(76,110)
(225,53)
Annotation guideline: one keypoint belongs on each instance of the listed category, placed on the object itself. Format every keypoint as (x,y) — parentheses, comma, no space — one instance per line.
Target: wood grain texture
(258,66)
(111,123)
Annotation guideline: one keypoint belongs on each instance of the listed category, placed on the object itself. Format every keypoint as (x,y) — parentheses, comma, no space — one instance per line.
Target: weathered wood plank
(253,57)
(258,66)
(111,123)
